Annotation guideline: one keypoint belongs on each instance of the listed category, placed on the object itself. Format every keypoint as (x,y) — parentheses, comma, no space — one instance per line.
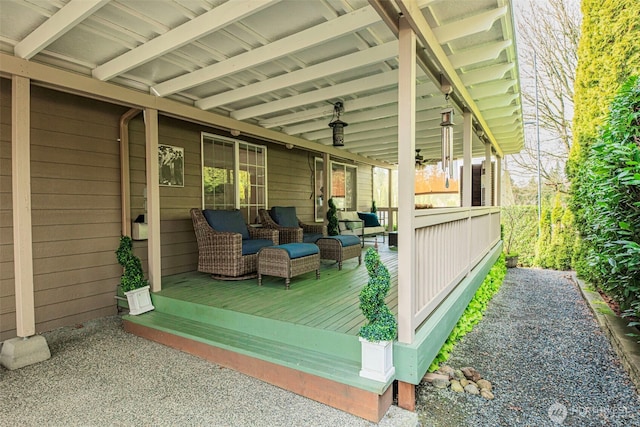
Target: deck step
(324,365)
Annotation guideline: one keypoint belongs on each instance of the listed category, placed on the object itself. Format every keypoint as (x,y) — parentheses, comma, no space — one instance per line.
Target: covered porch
(253,80)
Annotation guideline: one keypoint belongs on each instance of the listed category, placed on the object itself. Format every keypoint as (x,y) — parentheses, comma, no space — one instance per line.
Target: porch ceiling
(282,64)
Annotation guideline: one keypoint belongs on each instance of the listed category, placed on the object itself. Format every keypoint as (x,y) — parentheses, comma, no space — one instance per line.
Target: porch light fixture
(338,125)
(447,141)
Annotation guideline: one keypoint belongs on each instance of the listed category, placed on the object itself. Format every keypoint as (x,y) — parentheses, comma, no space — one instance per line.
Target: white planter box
(139,301)
(377,360)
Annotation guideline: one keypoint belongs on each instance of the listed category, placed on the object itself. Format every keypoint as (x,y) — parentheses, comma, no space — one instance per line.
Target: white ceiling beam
(503,121)
(486,74)
(439,60)
(468,26)
(501,112)
(336,91)
(366,102)
(359,59)
(497,101)
(381,115)
(313,36)
(478,54)
(486,90)
(207,23)
(56,26)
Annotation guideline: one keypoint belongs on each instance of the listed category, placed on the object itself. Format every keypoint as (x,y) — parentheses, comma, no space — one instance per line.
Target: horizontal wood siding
(291,180)
(179,250)
(75,195)
(365,187)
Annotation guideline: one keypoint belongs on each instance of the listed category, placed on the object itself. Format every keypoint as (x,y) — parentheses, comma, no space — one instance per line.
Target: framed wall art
(171,161)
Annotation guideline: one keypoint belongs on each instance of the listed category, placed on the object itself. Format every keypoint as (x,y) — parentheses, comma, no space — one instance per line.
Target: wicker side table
(340,248)
(289,260)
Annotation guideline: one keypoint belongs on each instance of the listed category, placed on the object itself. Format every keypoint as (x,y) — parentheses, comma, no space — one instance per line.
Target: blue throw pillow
(285,216)
(227,220)
(370,219)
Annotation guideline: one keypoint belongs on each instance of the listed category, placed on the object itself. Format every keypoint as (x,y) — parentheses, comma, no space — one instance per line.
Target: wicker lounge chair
(290,228)
(224,253)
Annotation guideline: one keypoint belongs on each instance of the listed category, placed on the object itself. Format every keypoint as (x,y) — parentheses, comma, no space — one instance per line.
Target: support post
(488,187)
(407,396)
(326,184)
(21,192)
(466,161)
(406,180)
(390,197)
(153,198)
(498,181)
(27,348)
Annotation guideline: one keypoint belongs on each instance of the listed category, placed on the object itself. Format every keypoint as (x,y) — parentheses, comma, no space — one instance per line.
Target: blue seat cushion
(227,221)
(298,250)
(346,240)
(370,219)
(285,216)
(310,237)
(252,246)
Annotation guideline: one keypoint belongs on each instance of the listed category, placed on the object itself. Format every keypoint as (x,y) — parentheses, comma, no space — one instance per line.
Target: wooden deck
(303,339)
(329,303)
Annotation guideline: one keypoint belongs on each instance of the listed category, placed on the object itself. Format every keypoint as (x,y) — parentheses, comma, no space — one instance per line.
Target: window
(343,183)
(225,159)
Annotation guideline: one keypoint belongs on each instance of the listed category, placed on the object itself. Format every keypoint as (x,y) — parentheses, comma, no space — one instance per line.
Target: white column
(488,188)
(153,198)
(326,185)
(498,181)
(406,180)
(466,165)
(389,197)
(21,195)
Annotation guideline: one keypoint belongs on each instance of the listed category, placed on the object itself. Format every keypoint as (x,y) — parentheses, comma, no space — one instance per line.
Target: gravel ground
(99,375)
(542,349)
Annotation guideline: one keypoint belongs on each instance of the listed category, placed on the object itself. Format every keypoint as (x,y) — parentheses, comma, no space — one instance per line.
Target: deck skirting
(362,403)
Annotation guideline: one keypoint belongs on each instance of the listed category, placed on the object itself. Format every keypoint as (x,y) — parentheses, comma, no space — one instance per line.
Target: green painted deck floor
(329,303)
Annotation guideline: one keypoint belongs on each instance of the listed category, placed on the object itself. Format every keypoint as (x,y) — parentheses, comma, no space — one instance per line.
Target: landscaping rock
(472,389)
(446,370)
(440,383)
(431,376)
(455,386)
(458,375)
(464,382)
(486,394)
(471,374)
(484,385)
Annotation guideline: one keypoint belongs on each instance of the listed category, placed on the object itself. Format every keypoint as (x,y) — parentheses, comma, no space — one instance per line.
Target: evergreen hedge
(609,196)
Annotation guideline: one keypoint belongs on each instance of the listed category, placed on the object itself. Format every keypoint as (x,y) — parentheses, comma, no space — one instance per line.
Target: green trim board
(413,360)
(331,367)
(319,340)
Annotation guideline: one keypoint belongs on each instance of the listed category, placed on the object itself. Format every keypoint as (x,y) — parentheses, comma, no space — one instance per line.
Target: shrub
(609,200)
(133,276)
(381,324)
(332,218)
(519,230)
(473,313)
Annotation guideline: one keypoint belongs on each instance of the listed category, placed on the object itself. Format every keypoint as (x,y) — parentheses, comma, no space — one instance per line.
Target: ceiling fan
(419,159)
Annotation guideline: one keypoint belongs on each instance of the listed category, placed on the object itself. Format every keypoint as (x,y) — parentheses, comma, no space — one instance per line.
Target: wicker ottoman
(288,260)
(340,248)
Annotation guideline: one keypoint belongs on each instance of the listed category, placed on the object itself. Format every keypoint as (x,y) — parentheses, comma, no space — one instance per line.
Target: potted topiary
(332,218)
(132,281)
(377,335)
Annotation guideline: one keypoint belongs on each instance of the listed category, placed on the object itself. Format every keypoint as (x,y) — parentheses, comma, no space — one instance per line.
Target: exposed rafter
(220,17)
(313,36)
(53,28)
